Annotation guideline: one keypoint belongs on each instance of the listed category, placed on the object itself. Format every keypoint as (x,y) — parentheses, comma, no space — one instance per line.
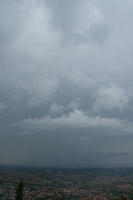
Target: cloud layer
(66,83)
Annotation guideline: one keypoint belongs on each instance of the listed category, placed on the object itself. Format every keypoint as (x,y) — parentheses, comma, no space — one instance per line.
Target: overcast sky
(66,83)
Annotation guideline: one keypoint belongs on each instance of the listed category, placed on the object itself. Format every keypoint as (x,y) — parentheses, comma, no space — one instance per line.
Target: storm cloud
(66,83)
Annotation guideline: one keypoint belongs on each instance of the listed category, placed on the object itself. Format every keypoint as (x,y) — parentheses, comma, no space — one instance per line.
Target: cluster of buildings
(52,194)
(67,184)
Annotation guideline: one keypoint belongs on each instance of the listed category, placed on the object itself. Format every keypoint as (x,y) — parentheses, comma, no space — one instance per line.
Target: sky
(66,83)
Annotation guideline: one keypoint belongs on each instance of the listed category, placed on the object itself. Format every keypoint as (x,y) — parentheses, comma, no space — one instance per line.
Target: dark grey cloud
(78,22)
(66,83)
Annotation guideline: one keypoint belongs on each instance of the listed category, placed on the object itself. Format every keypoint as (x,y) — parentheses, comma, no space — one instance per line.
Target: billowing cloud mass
(66,83)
